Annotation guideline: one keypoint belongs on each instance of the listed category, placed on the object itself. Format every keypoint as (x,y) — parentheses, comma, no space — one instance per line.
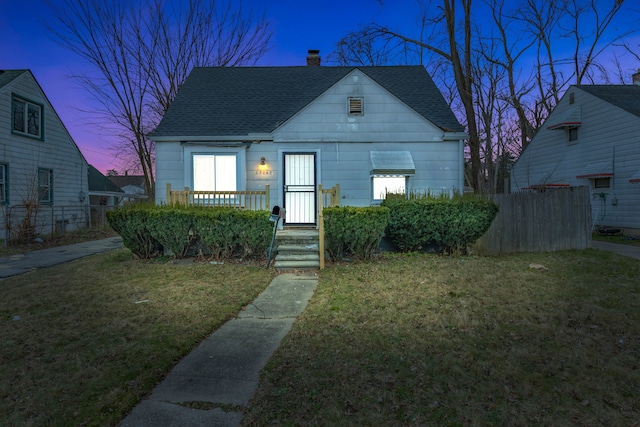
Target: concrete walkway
(222,373)
(23,263)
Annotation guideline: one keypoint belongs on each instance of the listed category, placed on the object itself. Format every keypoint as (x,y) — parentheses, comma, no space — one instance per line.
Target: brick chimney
(313,60)
(634,77)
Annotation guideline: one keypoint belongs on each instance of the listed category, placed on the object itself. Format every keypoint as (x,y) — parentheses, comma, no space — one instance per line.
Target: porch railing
(250,200)
(330,196)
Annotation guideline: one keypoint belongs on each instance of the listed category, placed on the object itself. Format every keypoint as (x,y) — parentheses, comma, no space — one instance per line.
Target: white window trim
(375,200)
(239,152)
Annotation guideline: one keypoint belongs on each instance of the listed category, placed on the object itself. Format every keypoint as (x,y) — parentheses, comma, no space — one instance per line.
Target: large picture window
(4,186)
(215,172)
(45,186)
(26,117)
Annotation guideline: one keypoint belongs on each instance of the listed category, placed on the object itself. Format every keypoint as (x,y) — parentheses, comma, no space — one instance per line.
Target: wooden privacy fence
(251,200)
(552,220)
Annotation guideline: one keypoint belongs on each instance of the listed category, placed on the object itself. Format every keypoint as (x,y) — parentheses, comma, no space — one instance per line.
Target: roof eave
(251,137)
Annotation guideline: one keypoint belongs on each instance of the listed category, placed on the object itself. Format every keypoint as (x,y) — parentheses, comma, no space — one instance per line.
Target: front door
(300,188)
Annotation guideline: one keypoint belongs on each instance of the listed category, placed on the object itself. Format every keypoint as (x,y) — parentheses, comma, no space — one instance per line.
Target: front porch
(295,248)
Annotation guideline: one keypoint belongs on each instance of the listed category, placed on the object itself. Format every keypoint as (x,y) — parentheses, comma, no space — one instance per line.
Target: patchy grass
(83,342)
(632,240)
(429,340)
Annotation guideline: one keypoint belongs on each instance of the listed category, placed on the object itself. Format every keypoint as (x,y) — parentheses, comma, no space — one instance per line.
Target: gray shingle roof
(626,97)
(7,76)
(226,101)
(100,183)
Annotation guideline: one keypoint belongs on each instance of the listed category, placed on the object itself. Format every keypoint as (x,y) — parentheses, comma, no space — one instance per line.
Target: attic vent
(356,106)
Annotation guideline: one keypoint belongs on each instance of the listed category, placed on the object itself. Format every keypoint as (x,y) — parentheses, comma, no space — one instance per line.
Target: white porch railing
(251,200)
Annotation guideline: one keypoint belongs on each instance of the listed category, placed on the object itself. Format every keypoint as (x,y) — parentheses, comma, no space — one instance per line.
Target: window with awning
(597,170)
(390,171)
(572,118)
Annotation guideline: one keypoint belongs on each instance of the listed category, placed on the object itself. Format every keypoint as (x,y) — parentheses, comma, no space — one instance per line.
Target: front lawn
(530,339)
(83,342)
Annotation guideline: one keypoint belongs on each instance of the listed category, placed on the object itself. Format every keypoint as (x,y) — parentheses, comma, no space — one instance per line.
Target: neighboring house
(366,128)
(104,195)
(591,138)
(43,174)
(132,185)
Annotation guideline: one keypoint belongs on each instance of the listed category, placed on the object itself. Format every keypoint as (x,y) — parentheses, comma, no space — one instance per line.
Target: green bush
(221,232)
(449,224)
(173,228)
(356,230)
(228,232)
(131,224)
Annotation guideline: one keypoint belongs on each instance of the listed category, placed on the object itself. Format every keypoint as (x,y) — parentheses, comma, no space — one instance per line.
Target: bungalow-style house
(591,138)
(43,174)
(368,129)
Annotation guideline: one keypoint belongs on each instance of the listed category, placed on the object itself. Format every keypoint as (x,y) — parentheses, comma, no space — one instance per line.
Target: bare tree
(540,48)
(141,52)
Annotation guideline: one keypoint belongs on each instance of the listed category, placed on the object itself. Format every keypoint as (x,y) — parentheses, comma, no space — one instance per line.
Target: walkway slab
(225,369)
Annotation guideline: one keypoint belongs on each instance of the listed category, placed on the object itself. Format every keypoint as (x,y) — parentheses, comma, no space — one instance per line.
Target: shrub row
(449,224)
(354,230)
(220,232)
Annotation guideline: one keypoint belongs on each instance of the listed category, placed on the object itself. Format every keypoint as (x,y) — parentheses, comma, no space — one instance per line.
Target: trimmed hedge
(354,230)
(451,225)
(221,232)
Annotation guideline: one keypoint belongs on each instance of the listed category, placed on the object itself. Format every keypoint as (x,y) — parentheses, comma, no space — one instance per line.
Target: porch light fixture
(263,161)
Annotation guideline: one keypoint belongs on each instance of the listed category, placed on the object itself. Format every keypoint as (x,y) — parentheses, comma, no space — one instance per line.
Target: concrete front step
(296,265)
(297,249)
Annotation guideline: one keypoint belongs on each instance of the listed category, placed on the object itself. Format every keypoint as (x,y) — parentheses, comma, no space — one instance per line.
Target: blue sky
(298,25)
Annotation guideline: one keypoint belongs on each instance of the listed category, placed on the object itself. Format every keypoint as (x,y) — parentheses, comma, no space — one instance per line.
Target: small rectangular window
(356,106)
(602,182)
(572,135)
(45,186)
(4,187)
(26,117)
(383,184)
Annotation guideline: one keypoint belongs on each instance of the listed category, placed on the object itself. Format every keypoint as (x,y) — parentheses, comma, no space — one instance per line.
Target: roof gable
(626,97)
(231,101)
(7,76)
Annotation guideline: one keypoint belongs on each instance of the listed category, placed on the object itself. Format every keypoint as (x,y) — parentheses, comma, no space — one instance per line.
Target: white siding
(24,155)
(605,129)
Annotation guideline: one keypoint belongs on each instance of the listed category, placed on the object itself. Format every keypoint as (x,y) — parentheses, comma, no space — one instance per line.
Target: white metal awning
(392,163)
(635,178)
(597,170)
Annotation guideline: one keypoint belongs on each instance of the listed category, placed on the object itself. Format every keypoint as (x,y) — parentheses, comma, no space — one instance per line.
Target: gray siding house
(43,174)
(591,138)
(368,129)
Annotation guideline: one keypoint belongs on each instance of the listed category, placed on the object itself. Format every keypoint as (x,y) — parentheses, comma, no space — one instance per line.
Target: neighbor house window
(4,186)
(572,135)
(26,117)
(602,182)
(356,106)
(45,186)
(214,172)
(384,184)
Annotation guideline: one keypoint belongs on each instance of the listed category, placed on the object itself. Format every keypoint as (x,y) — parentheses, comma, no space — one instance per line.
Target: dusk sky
(298,25)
